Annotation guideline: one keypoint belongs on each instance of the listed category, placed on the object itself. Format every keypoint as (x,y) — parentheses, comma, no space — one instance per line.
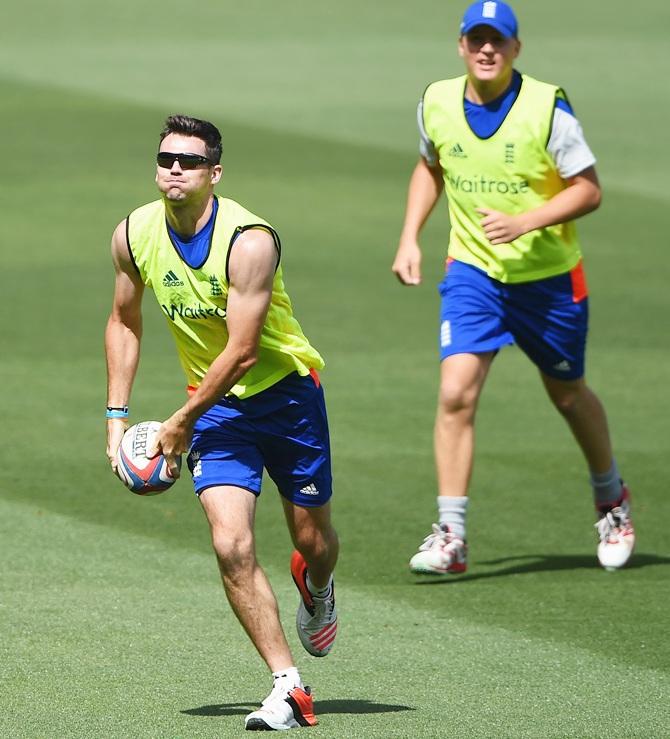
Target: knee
(455,399)
(566,403)
(234,551)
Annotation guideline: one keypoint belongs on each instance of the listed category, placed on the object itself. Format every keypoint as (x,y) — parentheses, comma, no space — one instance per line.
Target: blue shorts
(548,318)
(283,428)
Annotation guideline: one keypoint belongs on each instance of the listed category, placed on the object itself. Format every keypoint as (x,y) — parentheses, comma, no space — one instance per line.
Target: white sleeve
(426,146)
(568,146)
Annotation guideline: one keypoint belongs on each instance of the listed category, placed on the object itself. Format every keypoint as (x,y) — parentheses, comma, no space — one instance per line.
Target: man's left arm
(581,196)
(251,268)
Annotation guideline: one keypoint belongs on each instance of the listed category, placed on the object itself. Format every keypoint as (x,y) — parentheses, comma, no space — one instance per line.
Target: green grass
(113,620)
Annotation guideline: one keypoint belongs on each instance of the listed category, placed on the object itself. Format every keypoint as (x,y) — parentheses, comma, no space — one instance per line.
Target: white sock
(607,487)
(288,678)
(318,592)
(452,513)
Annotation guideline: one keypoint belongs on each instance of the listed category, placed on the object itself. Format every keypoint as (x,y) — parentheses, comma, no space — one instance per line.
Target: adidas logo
(563,366)
(310,489)
(457,151)
(216,286)
(172,280)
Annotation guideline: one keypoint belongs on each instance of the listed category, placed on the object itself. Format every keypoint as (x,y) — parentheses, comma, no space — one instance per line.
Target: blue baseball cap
(495,14)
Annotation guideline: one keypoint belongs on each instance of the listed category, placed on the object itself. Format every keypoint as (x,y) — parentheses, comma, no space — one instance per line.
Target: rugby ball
(138,473)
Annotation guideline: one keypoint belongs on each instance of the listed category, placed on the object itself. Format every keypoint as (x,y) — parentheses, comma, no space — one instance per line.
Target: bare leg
(586,417)
(315,538)
(230,512)
(462,378)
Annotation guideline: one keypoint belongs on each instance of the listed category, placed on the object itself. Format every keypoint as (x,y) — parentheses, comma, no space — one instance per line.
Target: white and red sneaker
(441,553)
(283,709)
(616,533)
(316,620)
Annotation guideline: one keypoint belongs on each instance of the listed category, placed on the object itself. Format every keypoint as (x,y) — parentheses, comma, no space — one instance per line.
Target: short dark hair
(204,130)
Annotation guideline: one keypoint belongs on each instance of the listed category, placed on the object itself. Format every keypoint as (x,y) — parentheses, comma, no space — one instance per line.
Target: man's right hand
(407,263)
(116,428)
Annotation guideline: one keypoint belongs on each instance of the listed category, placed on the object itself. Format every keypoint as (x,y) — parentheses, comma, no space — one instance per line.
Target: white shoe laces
(439,538)
(276,694)
(612,522)
(279,692)
(324,606)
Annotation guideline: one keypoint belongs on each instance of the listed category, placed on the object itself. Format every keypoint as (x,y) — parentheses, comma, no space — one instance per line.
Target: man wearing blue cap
(512,159)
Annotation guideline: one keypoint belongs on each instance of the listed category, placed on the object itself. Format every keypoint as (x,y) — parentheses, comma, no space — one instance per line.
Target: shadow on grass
(321,708)
(541,563)
(358,706)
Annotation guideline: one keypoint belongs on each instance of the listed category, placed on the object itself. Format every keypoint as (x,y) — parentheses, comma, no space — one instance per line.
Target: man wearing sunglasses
(254,396)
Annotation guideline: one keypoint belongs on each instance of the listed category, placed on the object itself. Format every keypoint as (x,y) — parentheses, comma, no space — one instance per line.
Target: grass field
(112,618)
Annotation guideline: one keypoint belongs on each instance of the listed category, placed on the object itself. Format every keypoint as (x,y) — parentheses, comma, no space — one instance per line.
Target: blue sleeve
(563,104)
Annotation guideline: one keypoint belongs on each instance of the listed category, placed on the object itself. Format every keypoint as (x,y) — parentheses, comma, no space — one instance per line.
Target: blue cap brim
(500,27)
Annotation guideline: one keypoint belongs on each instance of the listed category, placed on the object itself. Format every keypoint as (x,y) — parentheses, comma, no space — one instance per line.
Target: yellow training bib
(511,172)
(194,301)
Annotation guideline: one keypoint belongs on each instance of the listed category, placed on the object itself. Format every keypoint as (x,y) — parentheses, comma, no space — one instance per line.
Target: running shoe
(316,620)
(441,553)
(283,709)
(616,533)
